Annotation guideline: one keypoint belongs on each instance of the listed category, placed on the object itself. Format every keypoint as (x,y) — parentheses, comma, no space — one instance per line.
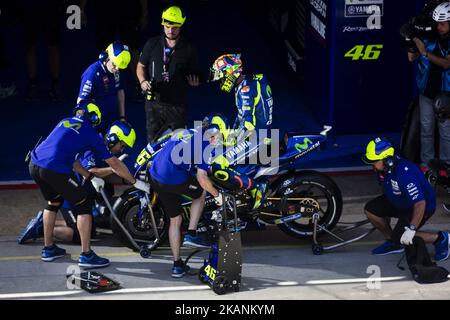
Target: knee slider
(83,207)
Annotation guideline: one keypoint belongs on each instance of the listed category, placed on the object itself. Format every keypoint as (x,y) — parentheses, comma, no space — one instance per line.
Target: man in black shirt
(167,66)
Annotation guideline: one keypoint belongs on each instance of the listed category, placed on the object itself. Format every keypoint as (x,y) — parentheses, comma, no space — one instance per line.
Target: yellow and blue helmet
(173,16)
(121,131)
(91,111)
(228,66)
(119,54)
(378,149)
(214,123)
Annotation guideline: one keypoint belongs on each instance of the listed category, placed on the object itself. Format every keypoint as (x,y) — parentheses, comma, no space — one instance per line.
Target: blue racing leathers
(254,104)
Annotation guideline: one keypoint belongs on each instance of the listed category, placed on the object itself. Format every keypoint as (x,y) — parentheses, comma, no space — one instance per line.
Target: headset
(389,162)
(103,56)
(93,117)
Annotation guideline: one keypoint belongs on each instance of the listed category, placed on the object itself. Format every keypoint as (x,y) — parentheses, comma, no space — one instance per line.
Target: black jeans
(161,117)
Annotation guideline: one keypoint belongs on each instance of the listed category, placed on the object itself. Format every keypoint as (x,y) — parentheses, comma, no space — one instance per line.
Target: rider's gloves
(141,185)
(97,183)
(231,139)
(219,200)
(407,236)
(245,131)
(123,157)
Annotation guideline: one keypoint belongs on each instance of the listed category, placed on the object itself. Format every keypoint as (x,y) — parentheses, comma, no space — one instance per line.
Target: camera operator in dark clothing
(167,65)
(433,78)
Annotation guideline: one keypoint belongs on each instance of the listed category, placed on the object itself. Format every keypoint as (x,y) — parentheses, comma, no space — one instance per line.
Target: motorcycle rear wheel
(322,189)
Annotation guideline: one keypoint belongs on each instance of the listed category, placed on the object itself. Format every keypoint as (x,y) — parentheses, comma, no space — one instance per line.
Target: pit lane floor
(275,266)
(281,271)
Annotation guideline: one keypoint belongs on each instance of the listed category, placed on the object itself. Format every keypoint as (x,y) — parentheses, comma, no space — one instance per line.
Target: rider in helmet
(101,83)
(252,92)
(433,78)
(254,103)
(407,196)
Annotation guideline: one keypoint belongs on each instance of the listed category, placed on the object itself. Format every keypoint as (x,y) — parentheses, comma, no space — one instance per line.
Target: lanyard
(167,57)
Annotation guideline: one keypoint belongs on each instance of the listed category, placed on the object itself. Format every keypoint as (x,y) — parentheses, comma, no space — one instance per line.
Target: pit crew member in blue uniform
(181,168)
(407,196)
(119,136)
(101,83)
(51,167)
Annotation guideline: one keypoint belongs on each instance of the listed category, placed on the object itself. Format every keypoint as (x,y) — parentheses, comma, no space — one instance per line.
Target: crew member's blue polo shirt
(405,185)
(180,157)
(98,84)
(72,136)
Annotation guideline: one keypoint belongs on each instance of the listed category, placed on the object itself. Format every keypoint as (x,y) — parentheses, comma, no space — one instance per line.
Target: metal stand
(145,250)
(318,248)
(222,270)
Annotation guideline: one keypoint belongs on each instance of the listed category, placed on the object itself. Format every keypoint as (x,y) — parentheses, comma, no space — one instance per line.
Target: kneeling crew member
(407,196)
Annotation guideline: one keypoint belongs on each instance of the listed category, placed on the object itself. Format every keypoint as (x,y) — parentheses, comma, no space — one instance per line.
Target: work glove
(97,183)
(141,185)
(219,200)
(123,157)
(407,236)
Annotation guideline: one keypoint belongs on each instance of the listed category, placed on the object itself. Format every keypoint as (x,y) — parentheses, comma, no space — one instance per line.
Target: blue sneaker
(34,229)
(442,248)
(195,242)
(52,253)
(388,247)
(92,261)
(179,272)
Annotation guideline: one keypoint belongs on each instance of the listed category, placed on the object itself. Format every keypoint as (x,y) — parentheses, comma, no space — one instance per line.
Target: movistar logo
(74,126)
(303,146)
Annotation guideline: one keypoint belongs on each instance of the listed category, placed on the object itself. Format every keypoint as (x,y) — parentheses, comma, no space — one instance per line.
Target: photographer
(433,78)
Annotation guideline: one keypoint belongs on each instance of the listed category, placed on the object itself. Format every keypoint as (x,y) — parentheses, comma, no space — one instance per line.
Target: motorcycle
(293,197)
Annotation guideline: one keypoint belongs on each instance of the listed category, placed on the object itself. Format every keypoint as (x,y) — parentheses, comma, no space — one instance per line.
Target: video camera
(422,26)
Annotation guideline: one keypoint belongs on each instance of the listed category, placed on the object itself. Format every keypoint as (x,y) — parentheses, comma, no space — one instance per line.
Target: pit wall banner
(357,78)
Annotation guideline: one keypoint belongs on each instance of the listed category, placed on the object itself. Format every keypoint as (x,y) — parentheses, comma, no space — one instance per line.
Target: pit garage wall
(356,78)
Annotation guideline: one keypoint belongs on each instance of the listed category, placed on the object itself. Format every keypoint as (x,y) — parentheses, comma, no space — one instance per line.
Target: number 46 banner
(365,52)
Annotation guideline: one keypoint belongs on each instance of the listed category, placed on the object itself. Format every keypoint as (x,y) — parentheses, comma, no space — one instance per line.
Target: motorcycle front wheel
(137,221)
